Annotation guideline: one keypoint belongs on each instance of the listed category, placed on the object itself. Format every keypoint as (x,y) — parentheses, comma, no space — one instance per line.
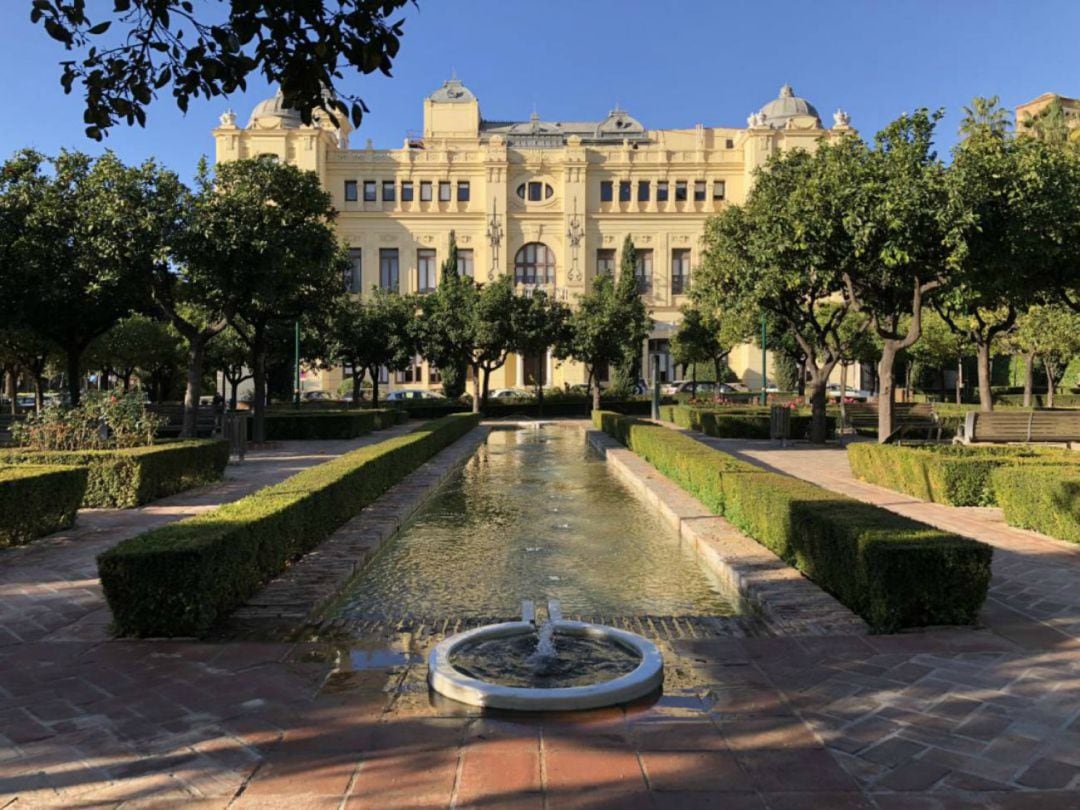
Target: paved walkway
(49,589)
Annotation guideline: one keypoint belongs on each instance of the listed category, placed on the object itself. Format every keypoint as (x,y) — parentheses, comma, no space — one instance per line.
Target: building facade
(548,202)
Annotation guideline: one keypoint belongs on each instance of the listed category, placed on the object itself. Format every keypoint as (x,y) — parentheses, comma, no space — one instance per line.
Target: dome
(273,113)
(453,92)
(780,110)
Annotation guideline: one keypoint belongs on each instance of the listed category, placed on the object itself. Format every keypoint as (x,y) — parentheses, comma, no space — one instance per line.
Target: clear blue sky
(671,63)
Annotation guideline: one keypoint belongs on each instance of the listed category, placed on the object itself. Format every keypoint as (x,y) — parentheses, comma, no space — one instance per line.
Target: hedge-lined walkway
(50,590)
(1036,578)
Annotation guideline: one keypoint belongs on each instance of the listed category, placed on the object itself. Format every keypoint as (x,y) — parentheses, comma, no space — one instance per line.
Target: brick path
(942,719)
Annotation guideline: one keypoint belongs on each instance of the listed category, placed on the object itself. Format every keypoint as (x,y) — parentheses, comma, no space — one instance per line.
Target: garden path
(49,589)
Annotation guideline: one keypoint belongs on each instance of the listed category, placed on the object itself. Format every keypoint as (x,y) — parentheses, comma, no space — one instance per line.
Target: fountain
(557,666)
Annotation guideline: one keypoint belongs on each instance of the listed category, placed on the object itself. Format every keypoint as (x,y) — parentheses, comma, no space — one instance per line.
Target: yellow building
(549,202)
(1031,110)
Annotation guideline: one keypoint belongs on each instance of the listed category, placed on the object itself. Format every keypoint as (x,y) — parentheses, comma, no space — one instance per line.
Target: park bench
(910,419)
(1028,427)
(207,424)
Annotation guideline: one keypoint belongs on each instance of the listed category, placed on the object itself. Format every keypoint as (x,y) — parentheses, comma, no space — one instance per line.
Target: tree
(141,47)
(444,329)
(627,370)
(229,354)
(1049,124)
(21,349)
(370,334)
(784,252)
(88,235)
(135,343)
(707,336)
(606,325)
(261,236)
(984,118)
(538,323)
(493,325)
(1051,333)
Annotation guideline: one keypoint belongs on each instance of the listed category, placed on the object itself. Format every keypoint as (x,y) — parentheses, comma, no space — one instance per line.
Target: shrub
(736,423)
(1040,498)
(180,579)
(330,424)
(136,475)
(104,420)
(892,571)
(38,500)
(951,474)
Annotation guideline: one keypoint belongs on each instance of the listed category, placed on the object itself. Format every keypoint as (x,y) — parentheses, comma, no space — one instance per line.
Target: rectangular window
(680,191)
(729,144)
(350,191)
(536,192)
(643,271)
(388,191)
(411,373)
(406,191)
(643,191)
(624,191)
(719,188)
(699,191)
(425,191)
(353,277)
(388,269)
(369,191)
(605,262)
(444,191)
(384,375)
(606,191)
(434,376)
(463,191)
(680,271)
(465,264)
(425,271)
(662,191)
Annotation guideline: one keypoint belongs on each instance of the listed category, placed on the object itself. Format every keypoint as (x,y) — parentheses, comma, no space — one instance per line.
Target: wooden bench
(1028,427)
(207,424)
(909,419)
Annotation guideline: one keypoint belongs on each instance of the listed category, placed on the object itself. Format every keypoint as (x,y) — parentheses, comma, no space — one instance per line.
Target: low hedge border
(180,579)
(136,475)
(737,423)
(38,500)
(948,474)
(428,409)
(1040,498)
(892,571)
(283,426)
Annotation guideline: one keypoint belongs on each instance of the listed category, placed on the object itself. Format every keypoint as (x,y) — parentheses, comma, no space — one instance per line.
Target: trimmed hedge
(38,500)
(892,571)
(1040,498)
(282,426)
(429,409)
(180,579)
(136,475)
(737,423)
(951,474)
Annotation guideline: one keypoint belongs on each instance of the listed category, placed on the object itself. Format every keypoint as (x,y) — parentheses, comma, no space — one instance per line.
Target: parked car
(318,396)
(704,387)
(412,393)
(510,393)
(832,391)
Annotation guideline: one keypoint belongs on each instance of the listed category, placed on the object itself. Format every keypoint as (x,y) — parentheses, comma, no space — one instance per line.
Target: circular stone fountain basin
(597,666)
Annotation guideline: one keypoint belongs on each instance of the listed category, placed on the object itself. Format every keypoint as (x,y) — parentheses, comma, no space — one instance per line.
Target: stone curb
(790,604)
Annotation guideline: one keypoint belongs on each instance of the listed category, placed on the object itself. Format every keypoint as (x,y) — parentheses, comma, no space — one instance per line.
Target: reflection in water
(534,515)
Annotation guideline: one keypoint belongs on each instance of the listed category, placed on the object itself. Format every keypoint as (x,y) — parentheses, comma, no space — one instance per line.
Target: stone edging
(790,604)
(294,598)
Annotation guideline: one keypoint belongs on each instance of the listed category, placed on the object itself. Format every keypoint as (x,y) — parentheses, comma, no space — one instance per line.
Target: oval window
(535,191)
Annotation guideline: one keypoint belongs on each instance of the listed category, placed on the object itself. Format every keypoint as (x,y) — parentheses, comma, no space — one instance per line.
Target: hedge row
(951,474)
(38,500)
(892,571)
(180,579)
(737,423)
(136,475)
(433,409)
(329,424)
(1040,498)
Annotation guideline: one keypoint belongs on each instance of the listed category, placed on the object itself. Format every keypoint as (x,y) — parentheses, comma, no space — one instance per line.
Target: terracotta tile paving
(934,720)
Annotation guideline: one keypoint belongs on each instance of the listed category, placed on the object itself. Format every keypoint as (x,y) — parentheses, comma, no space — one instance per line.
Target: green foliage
(708,336)
(1043,499)
(731,423)
(537,323)
(443,330)
(136,343)
(38,500)
(129,477)
(104,420)
(372,332)
(949,474)
(331,424)
(1052,334)
(179,580)
(892,571)
(126,55)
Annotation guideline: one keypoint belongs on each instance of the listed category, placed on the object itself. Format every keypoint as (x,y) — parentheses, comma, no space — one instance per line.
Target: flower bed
(892,571)
(38,500)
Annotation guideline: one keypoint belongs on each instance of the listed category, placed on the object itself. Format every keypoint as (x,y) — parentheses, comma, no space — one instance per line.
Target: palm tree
(1048,124)
(984,117)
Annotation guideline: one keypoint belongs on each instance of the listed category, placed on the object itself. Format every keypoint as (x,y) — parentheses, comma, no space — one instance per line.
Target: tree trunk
(74,387)
(39,393)
(1029,378)
(357,385)
(818,420)
(234,386)
(986,399)
(258,347)
(193,388)
(843,391)
(594,384)
(478,388)
(1049,385)
(11,390)
(942,391)
(800,386)
(374,387)
(539,400)
(885,389)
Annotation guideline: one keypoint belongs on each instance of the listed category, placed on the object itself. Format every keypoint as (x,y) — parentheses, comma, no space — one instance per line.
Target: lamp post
(296,366)
(764,378)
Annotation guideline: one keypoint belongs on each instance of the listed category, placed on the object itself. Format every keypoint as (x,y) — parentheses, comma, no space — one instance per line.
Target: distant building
(1041,106)
(549,202)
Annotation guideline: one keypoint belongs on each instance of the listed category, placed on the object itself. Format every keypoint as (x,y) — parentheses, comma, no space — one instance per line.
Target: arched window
(534,264)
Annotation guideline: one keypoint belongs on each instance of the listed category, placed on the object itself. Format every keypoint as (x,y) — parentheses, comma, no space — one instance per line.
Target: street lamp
(764,338)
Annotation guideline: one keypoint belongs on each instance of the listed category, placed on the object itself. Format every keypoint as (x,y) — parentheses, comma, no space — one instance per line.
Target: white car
(703,387)
(510,393)
(412,393)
